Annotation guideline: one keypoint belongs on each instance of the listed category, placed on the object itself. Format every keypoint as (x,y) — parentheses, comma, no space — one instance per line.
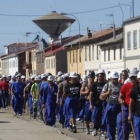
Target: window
(80,55)
(97,52)
(73,57)
(135,39)
(108,54)
(49,64)
(76,55)
(114,52)
(104,55)
(52,63)
(85,53)
(93,52)
(129,40)
(37,58)
(70,56)
(89,53)
(120,52)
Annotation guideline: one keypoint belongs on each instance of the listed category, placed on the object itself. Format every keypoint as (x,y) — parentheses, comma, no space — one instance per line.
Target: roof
(60,46)
(53,16)
(22,45)
(55,50)
(119,38)
(74,42)
(100,34)
(133,19)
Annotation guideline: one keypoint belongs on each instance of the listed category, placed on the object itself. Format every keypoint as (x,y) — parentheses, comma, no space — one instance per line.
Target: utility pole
(133,7)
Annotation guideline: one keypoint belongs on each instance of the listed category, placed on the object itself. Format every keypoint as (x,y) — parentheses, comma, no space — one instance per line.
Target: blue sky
(13,29)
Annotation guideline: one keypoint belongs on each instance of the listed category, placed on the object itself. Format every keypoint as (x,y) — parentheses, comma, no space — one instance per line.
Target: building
(15,59)
(75,56)
(56,55)
(132,42)
(91,50)
(112,54)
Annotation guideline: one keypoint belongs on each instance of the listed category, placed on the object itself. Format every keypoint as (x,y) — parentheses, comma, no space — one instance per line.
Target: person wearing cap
(17,90)
(49,101)
(27,94)
(60,115)
(59,73)
(4,86)
(72,94)
(41,87)
(124,101)
(135,103)
(84,92)
(96,105)
(110,93)
(34,93)
(64,114)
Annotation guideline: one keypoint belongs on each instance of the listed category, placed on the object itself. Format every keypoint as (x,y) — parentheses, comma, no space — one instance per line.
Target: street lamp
(79,33)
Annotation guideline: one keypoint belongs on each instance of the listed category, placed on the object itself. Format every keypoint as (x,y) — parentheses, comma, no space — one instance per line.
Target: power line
(82,12)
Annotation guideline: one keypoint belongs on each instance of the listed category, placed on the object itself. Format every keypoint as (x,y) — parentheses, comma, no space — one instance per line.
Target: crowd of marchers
(111,104)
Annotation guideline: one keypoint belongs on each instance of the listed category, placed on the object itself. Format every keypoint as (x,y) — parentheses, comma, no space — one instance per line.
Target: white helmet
(23,77)
(85,78)
(114,75)
(33,76)
(4,76)
(73,75)
(60,79)
(66,75)
(37,78)
(101,71)
(59,73)
(50,78)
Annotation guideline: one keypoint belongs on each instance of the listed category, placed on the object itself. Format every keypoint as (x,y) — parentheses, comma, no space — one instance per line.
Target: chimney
(114,31)
(89,34)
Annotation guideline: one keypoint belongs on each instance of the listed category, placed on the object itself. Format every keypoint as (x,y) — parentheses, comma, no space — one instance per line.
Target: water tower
(54,24)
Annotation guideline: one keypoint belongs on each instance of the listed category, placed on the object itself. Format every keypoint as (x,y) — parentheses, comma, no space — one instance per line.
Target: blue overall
(96,116)
(111,116)
(17,88)
(126,126)
(137,127)
(87,111)
(49,100)
(4,98)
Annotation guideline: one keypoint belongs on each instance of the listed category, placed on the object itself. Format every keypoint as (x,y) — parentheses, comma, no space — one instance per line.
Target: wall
(74,61)
(132,55)
(50,64)
(91,56)
(112,65)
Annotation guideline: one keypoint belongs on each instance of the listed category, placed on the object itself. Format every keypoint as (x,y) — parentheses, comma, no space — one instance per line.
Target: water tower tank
(54,24)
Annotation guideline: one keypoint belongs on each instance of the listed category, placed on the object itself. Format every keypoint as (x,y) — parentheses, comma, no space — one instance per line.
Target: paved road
(12,128)
(24,128)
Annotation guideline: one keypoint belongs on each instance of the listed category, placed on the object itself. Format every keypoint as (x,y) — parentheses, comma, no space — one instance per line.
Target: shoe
(74,129)
(102,136)
(88,131)
(62,125)
(94,132)
(71,128)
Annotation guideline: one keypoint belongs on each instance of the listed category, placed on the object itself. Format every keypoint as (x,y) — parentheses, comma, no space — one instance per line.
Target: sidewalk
(12,128)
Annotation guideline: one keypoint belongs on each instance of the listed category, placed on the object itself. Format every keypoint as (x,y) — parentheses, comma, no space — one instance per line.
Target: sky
(14,28)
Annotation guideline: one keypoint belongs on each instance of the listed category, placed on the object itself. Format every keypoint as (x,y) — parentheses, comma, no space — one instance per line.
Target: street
(21,128)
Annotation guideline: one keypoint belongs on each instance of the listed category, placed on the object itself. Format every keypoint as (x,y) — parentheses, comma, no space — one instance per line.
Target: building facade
(132,42)
(112,54)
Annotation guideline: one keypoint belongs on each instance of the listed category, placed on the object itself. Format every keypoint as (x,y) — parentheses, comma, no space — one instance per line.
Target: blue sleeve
(44,95)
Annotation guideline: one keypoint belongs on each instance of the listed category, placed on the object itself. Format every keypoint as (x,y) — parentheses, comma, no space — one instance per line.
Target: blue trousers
(18,104)
(126,127)
(97,116)
(87,111)
(50,108)
(137,127)
(30,103)
(111,115)
(4,98)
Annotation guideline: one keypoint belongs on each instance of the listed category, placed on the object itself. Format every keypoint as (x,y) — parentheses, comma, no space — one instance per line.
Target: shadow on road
(4,122)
